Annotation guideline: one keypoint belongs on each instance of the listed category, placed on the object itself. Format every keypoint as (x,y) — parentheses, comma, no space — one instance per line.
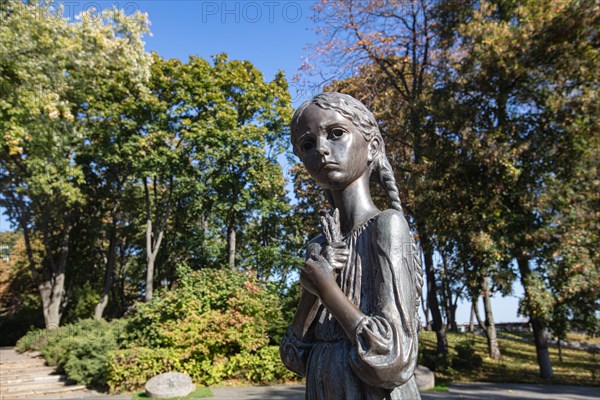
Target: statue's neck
(354,203)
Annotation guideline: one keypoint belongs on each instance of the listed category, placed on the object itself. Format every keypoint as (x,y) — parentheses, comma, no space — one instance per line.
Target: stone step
(17,380)
(33,385)
(35,371)
(28,394)
(26,376)
(25,363)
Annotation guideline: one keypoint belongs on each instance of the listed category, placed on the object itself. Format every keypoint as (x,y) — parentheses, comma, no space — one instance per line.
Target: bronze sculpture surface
(354,335)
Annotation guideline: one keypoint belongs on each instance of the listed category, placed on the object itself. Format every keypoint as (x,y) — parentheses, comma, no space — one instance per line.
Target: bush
(436,362)
(210,311)
(213,325)
(465,358)
(260,367)
(33,340)
(130,369)
(81,349)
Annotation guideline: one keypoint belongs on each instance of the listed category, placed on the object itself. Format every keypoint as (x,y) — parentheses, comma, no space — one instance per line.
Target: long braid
(388,181)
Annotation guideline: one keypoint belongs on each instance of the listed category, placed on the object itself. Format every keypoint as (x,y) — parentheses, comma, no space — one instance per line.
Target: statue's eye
(307,145)
(337,132)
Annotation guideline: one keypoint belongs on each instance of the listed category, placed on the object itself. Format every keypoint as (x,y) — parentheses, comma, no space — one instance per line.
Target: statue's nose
(322,146)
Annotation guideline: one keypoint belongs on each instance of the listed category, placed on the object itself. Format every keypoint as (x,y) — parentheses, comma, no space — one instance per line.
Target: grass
(198,393)
(439,387)
(518,363)
(582,338)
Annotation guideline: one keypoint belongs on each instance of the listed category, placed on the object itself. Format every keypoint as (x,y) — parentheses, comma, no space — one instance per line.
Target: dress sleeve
(386,342)
(293,352)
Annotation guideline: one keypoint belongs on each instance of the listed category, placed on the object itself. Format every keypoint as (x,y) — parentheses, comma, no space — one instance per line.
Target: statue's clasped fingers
(336,255)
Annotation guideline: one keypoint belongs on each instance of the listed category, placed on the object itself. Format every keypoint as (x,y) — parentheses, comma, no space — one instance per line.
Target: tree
(520,78)
(123,164)
(53,100)
(211,137)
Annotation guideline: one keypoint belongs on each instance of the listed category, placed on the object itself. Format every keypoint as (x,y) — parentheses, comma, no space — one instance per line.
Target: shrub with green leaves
(465,358)
(130,369)
(80,349)
(261,366)
(214,323)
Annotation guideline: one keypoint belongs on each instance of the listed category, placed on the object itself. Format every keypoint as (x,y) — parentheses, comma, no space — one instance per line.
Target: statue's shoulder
(391,224)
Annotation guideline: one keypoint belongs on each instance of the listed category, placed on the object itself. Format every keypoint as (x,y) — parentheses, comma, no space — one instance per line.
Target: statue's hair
(363,119)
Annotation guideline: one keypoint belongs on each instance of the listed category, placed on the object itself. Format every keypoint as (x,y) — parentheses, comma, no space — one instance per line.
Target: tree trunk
(541,348)
(453,326)
(472,319)
(477,316)
(52,289)
(149,253)
(231,240)
(432,298)
(52,294)
(490,327)
(153,241)
(425,307)
(150,258)
(559,343)
(108,274)
(538,326)
(446,296)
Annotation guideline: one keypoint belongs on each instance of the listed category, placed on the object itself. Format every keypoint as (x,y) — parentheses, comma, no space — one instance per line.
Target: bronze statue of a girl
(354,336)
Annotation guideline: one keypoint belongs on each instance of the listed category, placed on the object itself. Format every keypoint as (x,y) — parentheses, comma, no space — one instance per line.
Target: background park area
(154,216)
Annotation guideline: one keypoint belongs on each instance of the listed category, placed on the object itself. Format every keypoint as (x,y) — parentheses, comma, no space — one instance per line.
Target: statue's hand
(336,255)
(316,274)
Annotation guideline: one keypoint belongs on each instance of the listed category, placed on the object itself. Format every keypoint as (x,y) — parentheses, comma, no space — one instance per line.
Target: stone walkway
(511,391)
(463,391)
(26,377)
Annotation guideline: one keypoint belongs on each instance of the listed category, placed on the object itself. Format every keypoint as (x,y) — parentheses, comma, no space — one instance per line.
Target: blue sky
(273,35)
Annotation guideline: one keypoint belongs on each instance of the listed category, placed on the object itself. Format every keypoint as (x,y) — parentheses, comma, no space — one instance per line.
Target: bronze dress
(382,278)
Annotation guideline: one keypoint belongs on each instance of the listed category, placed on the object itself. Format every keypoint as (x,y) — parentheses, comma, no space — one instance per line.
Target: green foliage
(63,84)
(262,366)
(462,357)
(81,349)
(83,299)
(89,119)
(130,369)
(209,312)
(213,325)
(518,363)
(465,358)
(33,340)
(435,361)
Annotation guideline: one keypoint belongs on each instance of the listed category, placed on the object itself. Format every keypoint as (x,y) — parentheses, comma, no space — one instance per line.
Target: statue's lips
(328,166)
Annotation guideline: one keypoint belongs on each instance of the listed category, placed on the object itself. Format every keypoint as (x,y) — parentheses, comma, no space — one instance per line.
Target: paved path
(24,376)
(463,391)
(506,391)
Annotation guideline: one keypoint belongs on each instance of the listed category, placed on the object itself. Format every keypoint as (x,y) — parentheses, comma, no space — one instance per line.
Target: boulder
(170,384)
(424,377)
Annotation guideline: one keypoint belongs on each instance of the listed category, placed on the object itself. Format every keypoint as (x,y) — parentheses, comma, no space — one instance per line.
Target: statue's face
(331,148)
